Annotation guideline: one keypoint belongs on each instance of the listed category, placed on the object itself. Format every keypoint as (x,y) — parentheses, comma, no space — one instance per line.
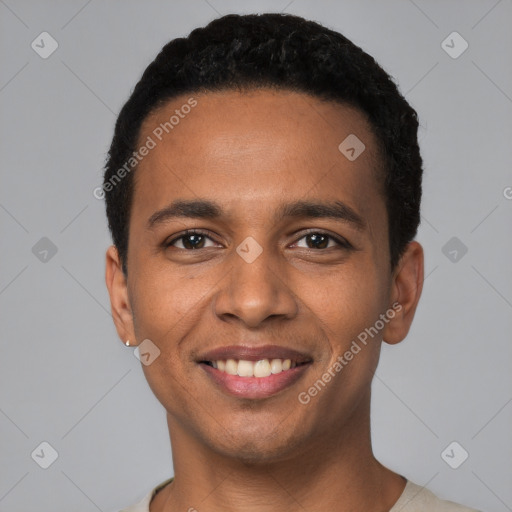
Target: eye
(320,240)
(191,239)
(196,239)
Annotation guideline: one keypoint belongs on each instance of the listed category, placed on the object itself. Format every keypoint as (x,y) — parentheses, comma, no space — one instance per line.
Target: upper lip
(251,353)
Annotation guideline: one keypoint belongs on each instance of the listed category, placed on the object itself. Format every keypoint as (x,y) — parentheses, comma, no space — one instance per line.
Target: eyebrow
(206,209)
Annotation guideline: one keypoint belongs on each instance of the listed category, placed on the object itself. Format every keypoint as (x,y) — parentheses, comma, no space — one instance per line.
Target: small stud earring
(127,343)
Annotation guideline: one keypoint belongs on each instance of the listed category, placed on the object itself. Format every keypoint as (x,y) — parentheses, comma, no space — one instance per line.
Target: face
(253,237)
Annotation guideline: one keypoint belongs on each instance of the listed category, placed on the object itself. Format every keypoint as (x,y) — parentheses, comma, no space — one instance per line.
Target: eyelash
(339,240)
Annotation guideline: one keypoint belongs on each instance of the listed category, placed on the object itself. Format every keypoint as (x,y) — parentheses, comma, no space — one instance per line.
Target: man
(263,190)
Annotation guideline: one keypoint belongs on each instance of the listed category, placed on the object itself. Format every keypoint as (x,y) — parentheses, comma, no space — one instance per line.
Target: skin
(251,152)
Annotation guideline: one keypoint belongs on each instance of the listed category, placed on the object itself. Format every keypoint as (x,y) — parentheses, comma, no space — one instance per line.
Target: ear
(119,301)
(406,287)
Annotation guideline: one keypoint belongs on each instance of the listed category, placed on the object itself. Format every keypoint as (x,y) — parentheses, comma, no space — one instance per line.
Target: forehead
(253,149)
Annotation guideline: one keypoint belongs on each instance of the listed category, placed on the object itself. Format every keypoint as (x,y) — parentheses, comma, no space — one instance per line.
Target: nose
(255,291)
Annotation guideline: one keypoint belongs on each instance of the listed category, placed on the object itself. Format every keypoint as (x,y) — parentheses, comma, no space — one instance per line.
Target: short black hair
(283,52)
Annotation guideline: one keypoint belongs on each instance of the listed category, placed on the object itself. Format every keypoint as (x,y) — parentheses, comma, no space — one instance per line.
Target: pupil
(190,238)
(315,238)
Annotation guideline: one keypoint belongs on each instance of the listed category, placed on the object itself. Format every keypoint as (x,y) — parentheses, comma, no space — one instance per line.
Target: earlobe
(119,300)
(406,289)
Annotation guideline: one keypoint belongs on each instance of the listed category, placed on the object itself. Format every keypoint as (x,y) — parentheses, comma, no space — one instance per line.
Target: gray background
(65,376)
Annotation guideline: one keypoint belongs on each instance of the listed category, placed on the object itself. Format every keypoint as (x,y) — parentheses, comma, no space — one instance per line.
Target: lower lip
(255,387)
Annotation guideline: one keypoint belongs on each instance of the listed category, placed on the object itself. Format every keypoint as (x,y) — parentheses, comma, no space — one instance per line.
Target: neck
(336,472)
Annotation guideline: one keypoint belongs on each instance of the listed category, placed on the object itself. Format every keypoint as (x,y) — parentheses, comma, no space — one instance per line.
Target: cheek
(166,303)
(350,301)
(351,304)
(167,382)
(166,310)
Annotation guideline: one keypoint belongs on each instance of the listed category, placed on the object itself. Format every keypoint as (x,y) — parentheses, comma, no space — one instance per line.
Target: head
(295,159)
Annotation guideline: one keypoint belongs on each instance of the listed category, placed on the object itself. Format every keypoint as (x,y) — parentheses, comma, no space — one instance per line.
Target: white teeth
(276,365)
(261,368)
(245,368)
(231,367)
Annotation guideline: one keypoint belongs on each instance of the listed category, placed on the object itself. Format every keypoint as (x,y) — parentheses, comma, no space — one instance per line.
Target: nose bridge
(256,288)
(253,268)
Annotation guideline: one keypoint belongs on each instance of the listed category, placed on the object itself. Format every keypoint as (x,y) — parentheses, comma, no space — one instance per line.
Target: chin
(258,447)
(257,455)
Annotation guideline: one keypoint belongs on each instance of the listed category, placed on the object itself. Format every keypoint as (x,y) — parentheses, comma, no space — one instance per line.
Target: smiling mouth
(259,369)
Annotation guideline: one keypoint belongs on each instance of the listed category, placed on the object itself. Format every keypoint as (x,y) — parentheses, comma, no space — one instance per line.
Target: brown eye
(190,240)
(319,240)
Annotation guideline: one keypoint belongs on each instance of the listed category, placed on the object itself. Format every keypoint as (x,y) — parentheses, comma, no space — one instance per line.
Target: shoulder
(419,499)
